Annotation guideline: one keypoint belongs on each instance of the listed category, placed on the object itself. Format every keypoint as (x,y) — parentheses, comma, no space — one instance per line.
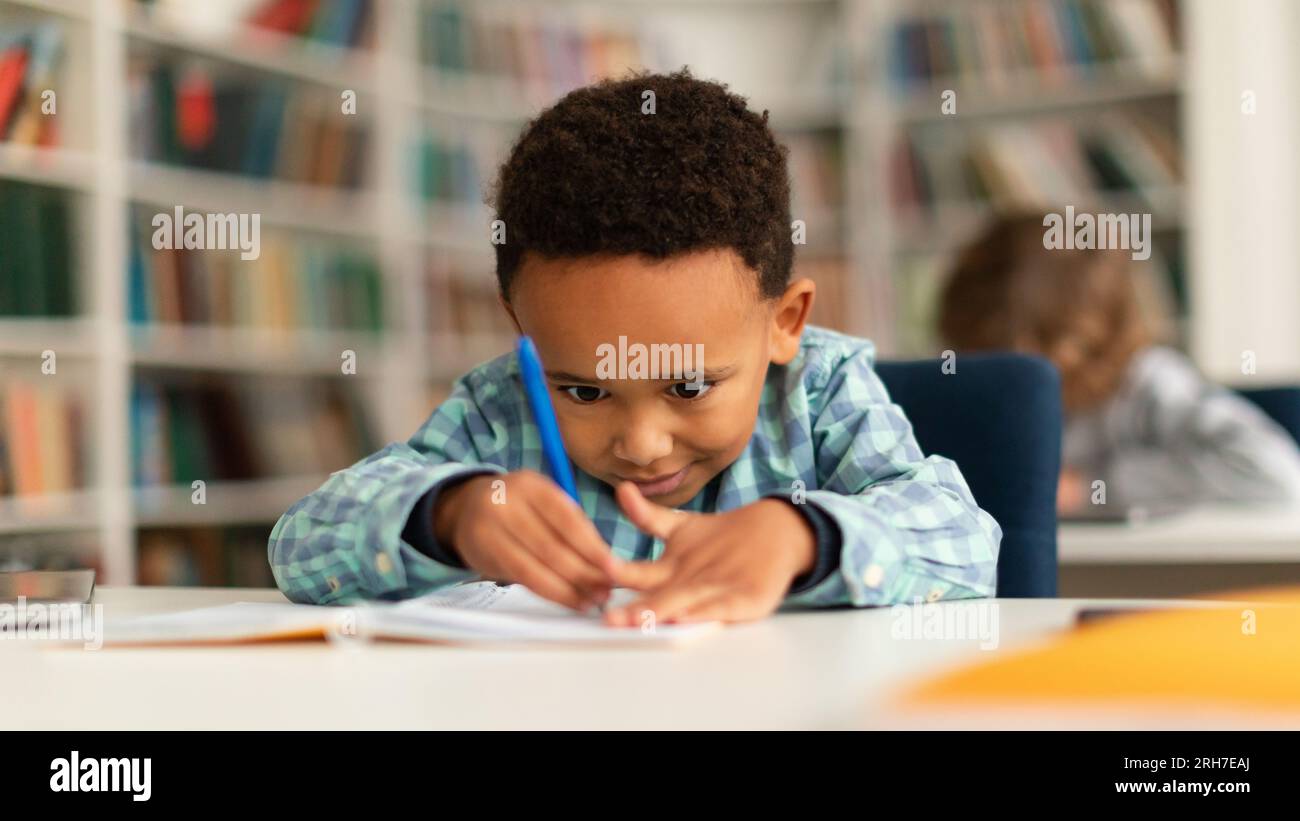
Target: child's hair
(613,170)
(1079,308)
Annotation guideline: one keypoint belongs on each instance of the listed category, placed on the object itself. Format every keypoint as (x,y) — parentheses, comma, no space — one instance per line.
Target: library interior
(165,395)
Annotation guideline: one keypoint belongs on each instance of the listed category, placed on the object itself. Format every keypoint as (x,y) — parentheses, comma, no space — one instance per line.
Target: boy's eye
(584,394)
(691,390)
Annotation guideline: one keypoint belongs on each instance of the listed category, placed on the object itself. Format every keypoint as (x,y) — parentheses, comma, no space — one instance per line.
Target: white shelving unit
(96,163)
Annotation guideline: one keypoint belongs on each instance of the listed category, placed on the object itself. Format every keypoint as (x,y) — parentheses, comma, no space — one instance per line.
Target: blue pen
(539,402)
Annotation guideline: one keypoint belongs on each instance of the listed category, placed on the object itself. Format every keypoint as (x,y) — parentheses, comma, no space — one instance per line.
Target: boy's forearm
(887,559)
(345,540)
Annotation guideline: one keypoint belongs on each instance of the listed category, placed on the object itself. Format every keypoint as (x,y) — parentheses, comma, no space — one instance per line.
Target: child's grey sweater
(1170,435)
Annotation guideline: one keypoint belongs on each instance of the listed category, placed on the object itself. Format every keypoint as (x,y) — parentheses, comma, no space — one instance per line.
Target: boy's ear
(789,316)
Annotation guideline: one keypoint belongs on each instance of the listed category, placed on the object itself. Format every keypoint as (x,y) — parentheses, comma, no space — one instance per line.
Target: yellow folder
(1238,656)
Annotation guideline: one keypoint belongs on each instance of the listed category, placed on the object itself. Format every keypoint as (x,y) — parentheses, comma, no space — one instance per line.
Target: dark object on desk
(998,416)
(1088,615)
(1281,404)
(47,586)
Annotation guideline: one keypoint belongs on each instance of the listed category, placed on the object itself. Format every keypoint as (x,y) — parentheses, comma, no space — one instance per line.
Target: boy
(778,472)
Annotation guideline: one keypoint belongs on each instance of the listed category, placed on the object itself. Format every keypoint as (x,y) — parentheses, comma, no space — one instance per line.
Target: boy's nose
(642,444)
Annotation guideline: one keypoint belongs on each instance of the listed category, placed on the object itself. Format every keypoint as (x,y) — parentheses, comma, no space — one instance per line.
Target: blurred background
(159,409)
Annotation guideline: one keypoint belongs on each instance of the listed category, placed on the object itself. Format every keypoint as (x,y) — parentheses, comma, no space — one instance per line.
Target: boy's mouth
(659,485)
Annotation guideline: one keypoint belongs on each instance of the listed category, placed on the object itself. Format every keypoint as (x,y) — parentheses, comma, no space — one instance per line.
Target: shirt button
(873,575)
(382,563)
(934,595)
(333,582)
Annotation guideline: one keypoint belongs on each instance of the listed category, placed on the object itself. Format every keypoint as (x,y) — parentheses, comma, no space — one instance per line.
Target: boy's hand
(532,534)
(733,566)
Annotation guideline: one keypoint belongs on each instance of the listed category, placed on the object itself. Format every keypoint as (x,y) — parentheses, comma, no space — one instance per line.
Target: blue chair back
(1281,404)
(998,416)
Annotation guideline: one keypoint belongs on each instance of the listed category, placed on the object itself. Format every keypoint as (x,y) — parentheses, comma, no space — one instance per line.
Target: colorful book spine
(199,116)
(242,430)
(1044,162)
(541,52)
(42,443)
(447,172)
(342,23)
(296,283)
(37,262)
(998,42)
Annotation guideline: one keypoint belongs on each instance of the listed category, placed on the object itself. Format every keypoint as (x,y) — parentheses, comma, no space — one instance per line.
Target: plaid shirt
(827,435)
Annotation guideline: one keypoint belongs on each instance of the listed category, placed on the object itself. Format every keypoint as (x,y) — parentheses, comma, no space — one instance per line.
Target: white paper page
(473,612)
(483,611)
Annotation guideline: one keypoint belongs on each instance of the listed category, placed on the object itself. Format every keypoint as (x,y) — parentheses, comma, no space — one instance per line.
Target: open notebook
(472,612)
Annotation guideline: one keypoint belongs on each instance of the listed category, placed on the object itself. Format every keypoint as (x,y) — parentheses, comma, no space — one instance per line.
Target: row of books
(1041,162)
(189,113)
(42,437)
(29,61)
(464,303)
(340,23)
(222,431)
(207,557)
(447,171)
(998,43)
(37,264)
(345,23)
(543,54)
(296,283)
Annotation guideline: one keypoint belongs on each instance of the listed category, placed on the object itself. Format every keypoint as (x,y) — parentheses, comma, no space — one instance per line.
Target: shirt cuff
(418,532)
(830,541)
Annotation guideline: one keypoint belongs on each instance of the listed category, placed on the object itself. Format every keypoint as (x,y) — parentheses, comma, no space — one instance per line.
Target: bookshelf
(436,121)
(1049,104)
(108,354)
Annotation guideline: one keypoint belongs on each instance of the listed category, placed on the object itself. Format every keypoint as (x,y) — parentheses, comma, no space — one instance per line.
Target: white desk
(1209,535)
(828,669)
(1197,551)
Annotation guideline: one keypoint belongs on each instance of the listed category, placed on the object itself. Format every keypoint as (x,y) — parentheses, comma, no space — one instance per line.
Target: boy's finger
(569,566)
(569,524)
(718,608)
(657,520)
(526,569)
(668,603)
(643,575)
(549,548)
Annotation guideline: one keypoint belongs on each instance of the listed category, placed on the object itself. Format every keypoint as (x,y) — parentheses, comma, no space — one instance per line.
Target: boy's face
(670,436)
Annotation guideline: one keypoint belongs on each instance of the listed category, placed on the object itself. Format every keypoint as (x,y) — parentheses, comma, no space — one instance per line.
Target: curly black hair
(593,175)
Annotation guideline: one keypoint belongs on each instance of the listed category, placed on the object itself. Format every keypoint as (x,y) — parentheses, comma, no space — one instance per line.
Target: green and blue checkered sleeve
(343,542)
(910,527)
